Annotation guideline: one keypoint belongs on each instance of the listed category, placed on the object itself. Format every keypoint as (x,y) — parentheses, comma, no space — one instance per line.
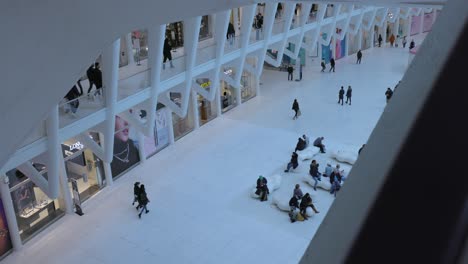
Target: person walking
(313,171)
(388,94)
(136,193)
(290,72)
(349,93)
(167,53)
(380,40)
(94,75)
(296,109)
(404,41)
(143,200)
(341,95)
(323,65)
(359,57)
(332,64)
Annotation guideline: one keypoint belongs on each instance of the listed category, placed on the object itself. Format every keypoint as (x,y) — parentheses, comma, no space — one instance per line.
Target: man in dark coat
(296,109)
(341,95)
(290,72)
(332,65)
(167,53)
(349,93)
(359,57)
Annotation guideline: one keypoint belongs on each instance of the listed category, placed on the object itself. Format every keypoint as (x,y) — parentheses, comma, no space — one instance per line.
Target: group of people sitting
(303,143)
(140,196)
(262,188)
(306,201)
(336,176)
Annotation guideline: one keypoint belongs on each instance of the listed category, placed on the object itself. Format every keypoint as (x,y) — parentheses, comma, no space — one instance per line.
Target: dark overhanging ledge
(406,193)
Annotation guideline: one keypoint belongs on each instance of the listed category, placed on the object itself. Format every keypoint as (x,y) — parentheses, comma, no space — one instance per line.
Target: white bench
(308,153)
(323,184)
(281,200)
(344,155)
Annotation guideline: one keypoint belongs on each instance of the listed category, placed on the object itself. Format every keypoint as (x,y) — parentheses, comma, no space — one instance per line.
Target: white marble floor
(200,210)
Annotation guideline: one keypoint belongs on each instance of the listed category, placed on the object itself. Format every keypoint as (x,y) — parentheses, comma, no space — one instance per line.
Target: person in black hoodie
(296,109)
(380,40)
(136,193)
(290,72)
(143,200)
(293,163)
(301,144)
(332,65)
(341,95)
(262,188)
(359,57)
(94,75)
(167,53)
(349,93)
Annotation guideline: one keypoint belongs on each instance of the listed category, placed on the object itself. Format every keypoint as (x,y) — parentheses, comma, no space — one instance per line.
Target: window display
(174,32)
(160,138)
(205,28)
(248,86)
(182,126)
(34,209)
(83,167)
(206,109)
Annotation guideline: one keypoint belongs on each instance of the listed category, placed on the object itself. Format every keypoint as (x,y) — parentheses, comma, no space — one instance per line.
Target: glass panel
(278,27)
(206,51)
(34,209)
(132,84)
(80,106)
(182,126)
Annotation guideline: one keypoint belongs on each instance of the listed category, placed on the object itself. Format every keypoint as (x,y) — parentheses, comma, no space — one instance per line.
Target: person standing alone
(290,72)
(167,53)
(349,94)
(380,40)
(296,109)
(341,95)
(359,57)
(388,94)
(323,65)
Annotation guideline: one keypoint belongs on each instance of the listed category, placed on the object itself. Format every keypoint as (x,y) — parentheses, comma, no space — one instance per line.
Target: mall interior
(196,105)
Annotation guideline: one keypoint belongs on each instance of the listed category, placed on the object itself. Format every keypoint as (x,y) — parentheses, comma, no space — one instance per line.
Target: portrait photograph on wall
(125,147)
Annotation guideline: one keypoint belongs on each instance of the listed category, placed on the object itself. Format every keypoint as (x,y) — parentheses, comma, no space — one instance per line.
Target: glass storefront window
(140,44)
(175,33)
(160,138)
(34,209)
(182,126)
(228,97)
(83,167)
(206,109)
(248,86)
(205,28)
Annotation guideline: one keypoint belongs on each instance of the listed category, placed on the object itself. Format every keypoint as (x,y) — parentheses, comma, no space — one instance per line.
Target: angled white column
(196,114)
(129,48)
(66,194)
(110,75)
(270,11)
(10,213)
(156,37)
(247,20)
(55,152)
(170,122)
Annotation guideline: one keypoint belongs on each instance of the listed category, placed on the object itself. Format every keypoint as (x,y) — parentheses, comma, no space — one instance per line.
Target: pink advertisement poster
(415,25)
(428,21)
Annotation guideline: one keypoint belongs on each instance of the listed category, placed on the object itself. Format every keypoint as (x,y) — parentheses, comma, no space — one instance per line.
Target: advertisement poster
(326,50)
(415,25)
(161,134)
(340,48)
(428,21)
(5,241)
(125,147)
(76,197)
